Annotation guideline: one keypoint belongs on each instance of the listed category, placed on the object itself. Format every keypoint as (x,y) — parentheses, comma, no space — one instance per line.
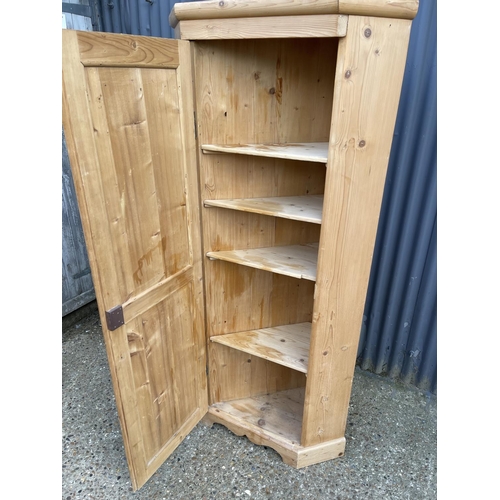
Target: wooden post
(370,68)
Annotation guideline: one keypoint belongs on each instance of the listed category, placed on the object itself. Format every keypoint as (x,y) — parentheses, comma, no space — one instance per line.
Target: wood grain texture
(236,374)
(279,413)
(250,91)
(274,420)
(215,9)
(286,345)
(286,300)
(302,208)
(263,27)
(249,8)
(115,50)
(317,152)
(132,151)
(368,83)
(297,261)
(397,9)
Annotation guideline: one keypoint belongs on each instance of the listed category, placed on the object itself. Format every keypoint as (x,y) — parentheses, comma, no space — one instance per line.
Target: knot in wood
(368,32)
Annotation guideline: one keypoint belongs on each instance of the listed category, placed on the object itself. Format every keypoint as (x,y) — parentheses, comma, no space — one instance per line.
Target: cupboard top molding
(228,9)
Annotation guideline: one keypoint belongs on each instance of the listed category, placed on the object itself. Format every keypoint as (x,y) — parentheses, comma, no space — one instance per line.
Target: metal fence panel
(138,17)
(399,330)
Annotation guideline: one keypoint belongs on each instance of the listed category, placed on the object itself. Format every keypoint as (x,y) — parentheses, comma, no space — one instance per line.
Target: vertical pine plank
(167,155)
(129,131)
(368,80)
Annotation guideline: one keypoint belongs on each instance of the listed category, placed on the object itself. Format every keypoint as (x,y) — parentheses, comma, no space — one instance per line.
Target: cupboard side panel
(367,88)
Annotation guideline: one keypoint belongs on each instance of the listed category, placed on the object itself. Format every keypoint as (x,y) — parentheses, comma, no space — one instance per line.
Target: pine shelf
(297,261)
(305,151)
(287,345)
(301,208)
(278,414)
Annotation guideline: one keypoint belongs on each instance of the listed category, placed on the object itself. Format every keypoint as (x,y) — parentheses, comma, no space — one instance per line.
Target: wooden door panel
(128,119)
(164,367)
(145,194)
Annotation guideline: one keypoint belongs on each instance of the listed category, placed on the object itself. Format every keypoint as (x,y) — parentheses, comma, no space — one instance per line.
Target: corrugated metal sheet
(399,330)
(138,17)
(398,336)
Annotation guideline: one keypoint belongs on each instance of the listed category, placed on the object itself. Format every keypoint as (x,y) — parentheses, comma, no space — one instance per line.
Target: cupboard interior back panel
(264,91)
(258,91)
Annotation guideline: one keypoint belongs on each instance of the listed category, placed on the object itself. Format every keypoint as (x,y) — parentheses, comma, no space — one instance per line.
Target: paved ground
(391,449)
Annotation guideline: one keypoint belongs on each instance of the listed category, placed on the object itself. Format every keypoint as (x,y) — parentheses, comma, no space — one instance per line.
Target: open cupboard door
(128,121)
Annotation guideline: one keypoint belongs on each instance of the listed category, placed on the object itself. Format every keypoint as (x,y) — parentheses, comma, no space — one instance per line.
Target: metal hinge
(195,126)
(114,318)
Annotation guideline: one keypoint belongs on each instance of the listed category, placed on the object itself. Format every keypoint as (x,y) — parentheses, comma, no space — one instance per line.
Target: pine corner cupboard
(229,184)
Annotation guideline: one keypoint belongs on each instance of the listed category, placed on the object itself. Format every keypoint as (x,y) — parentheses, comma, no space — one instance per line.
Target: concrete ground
(391,450)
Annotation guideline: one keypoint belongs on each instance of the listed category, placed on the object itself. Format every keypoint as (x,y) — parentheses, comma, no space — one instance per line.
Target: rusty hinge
(114,317)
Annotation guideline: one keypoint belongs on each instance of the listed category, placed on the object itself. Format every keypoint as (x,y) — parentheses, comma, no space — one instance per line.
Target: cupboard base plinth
(292,453)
